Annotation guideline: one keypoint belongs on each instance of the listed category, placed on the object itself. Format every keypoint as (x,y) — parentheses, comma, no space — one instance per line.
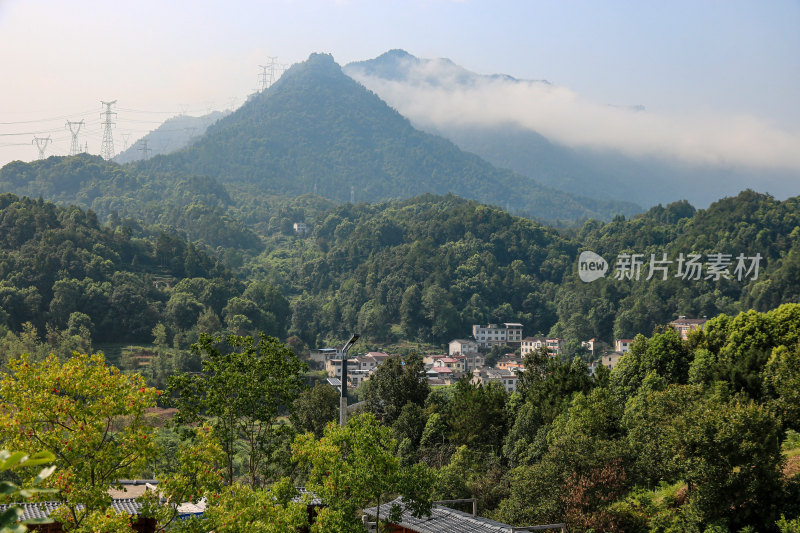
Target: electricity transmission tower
(125,137)
(267,76)
(41,143)
(75,147)
(107,148)
(144,149)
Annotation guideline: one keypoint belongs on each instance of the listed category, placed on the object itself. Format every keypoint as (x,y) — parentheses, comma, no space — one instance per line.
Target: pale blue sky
(59,58)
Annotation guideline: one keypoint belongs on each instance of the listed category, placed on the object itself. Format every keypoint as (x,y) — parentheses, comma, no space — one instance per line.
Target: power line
(60,117)
(107,148)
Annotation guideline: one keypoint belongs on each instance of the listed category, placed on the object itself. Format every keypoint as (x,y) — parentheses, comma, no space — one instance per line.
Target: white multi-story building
(555,346)
(623,345)
(462,346)
(497,334)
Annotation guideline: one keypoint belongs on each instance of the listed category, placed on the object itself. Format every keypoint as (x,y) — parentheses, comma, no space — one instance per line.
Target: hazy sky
(737,62)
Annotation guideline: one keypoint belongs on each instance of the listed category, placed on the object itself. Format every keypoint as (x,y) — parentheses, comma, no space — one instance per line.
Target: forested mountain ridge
(199,207)
(318,131)
(173,134)
(429,267)
(426,268)
(315,131)
(66,274)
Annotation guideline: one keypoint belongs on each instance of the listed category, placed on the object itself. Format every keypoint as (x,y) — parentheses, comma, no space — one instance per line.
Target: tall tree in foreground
(89,415)
(395,383)
(240,392)
(355,466)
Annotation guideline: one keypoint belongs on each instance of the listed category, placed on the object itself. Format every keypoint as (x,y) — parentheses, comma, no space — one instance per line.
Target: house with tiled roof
(447,375)
(684,325)
(623,345)
(508,379)
(460,346)
(445,520)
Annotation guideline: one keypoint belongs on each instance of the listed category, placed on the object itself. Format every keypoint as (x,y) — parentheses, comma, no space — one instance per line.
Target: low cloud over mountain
(441,94)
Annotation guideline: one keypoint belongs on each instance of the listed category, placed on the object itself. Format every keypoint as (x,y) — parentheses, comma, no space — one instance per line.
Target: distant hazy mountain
(172,135)
(316,130)
(604,174)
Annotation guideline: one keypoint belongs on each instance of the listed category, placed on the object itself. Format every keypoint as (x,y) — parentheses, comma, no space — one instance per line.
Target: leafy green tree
(549,384)
(314,408)
(782,383)
(241,390)
(664,353)
(582,471)
(396,382)
(440,313)
(183,310)
(242,508)
(477,415)
(355,466)
(435,447)
(196,475)
(726,450)
(89,415)
(11,517)
(472,474)
(411,319)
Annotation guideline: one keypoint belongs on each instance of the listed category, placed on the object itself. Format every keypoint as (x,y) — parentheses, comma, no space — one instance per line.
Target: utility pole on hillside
(75,146)
(343,391)
(107,148)
(41,143)
(144,149)
(125,137)
(267,76)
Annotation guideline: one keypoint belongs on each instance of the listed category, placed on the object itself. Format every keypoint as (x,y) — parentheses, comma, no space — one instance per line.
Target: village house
(594,346)
(508,379)
(473,360)
(441,375)
(685,325)
(333,367)
(608,360)
(453,363)
(444,520)
(554,346)
(461,346)
(510,363)
(623,345)
(509,333)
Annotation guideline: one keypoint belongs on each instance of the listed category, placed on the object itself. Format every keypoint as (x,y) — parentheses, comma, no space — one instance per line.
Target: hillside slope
(318,131)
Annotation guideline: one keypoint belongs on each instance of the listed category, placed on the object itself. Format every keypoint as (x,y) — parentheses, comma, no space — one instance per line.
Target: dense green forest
(423,269)
(68,279)
(430,267)
(680,436)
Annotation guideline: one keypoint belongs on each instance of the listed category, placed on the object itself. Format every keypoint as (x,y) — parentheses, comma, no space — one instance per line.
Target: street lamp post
(343,396)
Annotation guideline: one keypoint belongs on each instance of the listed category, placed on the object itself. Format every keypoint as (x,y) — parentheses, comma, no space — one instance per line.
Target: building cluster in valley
(469,355)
